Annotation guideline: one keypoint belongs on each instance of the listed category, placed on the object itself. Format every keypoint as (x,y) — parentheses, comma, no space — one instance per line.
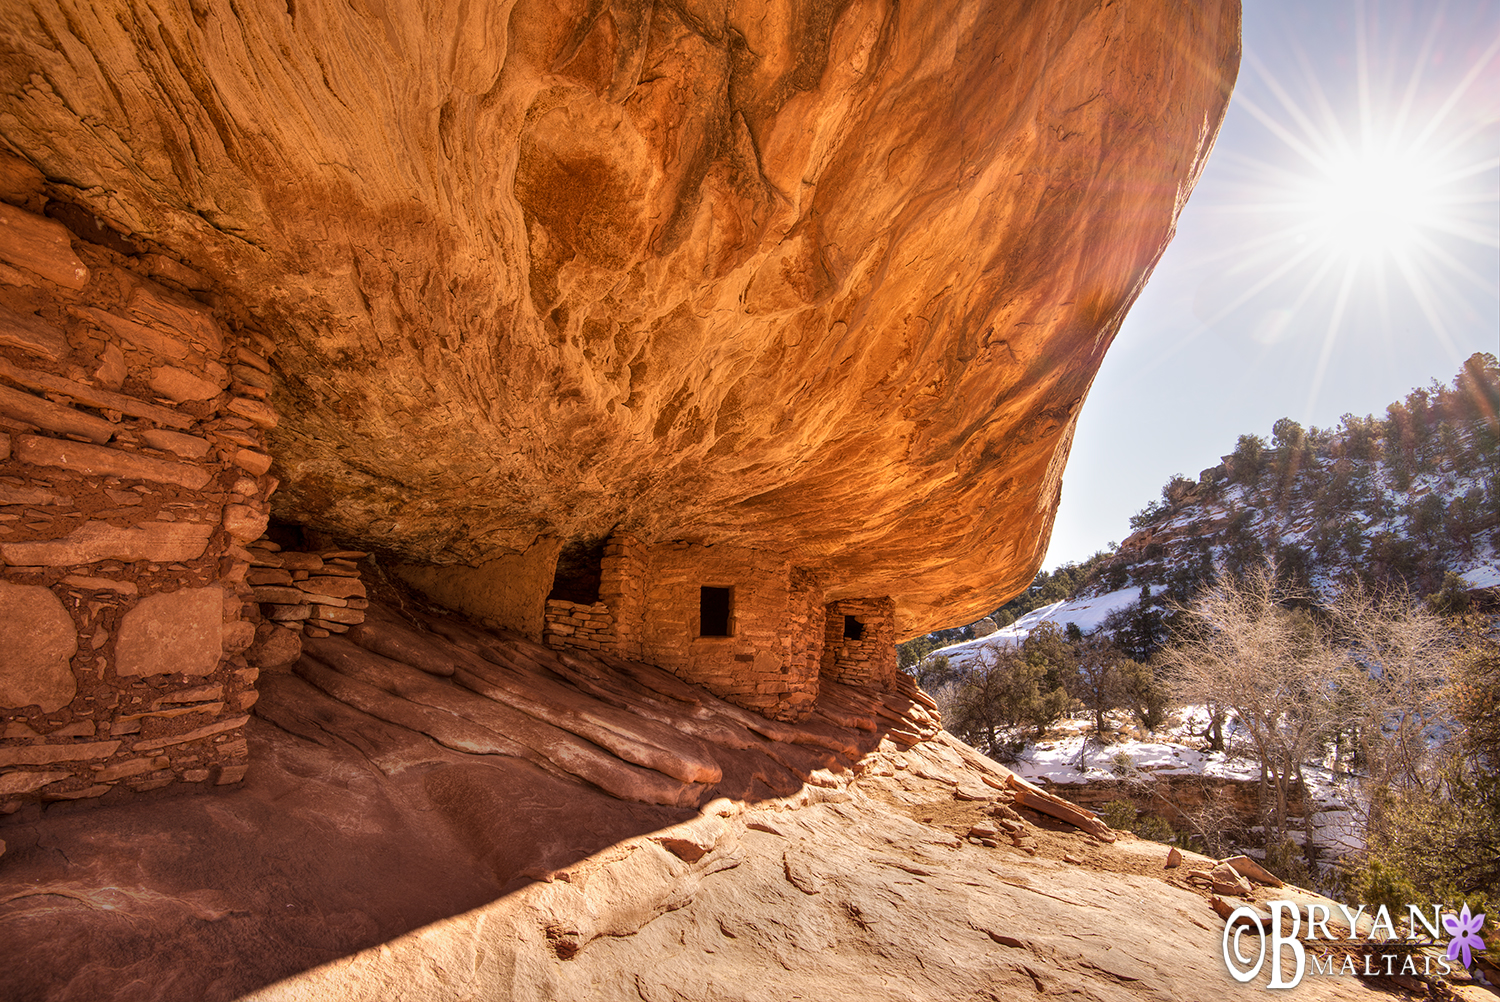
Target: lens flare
(1363,195)
(1372,204)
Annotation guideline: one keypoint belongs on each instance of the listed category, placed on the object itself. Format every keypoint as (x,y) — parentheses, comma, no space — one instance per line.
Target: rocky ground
(416,826)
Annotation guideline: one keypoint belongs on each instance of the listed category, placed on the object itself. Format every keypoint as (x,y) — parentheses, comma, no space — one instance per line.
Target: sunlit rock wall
(827,279)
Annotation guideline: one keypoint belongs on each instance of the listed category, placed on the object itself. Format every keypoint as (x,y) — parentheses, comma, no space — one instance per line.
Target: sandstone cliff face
(829,279)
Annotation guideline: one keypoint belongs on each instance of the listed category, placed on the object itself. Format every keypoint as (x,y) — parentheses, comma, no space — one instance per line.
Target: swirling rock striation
(829,279)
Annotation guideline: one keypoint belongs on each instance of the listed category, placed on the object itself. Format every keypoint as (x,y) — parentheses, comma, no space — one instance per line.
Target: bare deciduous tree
(1399,657)
(1245,649)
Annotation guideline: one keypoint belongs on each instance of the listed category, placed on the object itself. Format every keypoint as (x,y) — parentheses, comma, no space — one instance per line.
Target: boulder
(186,446)
(177,632)
(179,384)
(41,246)
(48,754)
(274,647)
(1221,880)
(1227,880)
(99,461)
(245,522)
(53,417)
(162,542)
(25,782)
(1250,868)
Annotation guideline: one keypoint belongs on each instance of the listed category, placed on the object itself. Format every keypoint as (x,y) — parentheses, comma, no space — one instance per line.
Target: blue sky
(1339,251)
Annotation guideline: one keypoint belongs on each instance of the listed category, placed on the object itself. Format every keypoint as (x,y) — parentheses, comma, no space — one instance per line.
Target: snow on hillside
(1088,613)
(1298,525)
(1063,760)
(1410,499)
(1487,576)
(1070,755)
(1432,525)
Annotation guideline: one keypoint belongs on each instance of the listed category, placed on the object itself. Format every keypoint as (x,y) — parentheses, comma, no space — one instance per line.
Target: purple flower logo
(1465,929)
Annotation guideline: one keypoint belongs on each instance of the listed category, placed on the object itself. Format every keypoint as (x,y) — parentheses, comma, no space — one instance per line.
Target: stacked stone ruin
(584,627)
(310,593)
(859,646)
(140,597)
(780,638)
(132,471)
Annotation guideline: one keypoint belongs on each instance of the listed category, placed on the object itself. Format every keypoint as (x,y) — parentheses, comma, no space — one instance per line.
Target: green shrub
(1123,816)
(1386,885)
(1154,828)
(1287,860)
(1119,815)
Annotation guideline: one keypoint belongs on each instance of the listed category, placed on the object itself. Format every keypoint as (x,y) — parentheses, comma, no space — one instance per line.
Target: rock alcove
(409,412)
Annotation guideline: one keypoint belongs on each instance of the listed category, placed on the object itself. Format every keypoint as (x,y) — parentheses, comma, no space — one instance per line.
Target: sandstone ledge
(375,850)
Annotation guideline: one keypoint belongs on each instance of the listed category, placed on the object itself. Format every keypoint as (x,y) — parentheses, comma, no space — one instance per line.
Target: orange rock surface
(379,848)
(828,278)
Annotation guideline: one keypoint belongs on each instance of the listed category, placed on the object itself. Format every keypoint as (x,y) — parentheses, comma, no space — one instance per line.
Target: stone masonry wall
(314,594)
(805,623)
(622,590)
(585,627)
(763,665)
(870,660)
(131,474)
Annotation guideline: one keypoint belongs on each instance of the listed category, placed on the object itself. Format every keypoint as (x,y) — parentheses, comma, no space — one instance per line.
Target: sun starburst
(1362,196)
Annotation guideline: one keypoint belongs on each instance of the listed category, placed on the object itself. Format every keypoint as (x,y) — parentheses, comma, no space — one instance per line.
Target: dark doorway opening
(714,612)
(579,568)
(853,628)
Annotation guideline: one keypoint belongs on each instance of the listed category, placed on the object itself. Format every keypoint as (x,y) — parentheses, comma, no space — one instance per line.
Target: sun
(1377,184)
(1362,197)
(1372,203)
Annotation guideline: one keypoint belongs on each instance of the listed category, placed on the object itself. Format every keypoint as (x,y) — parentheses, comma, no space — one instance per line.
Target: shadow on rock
(411,770)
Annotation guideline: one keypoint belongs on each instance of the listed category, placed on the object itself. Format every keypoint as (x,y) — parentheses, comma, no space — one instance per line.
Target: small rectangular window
(715,612)
(853,628)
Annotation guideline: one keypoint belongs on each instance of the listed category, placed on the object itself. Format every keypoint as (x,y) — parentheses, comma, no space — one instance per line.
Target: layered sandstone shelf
(829,280)
(435,811)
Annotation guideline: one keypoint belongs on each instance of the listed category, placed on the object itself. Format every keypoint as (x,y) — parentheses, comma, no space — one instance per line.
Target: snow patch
(1087,612)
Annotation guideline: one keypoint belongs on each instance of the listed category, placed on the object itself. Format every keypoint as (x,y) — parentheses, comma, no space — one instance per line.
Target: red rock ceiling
(826,278)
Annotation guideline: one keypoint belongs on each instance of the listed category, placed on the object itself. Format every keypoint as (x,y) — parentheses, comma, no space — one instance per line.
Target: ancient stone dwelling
(134,488)
(352,353)
(745,624)
(132,473)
